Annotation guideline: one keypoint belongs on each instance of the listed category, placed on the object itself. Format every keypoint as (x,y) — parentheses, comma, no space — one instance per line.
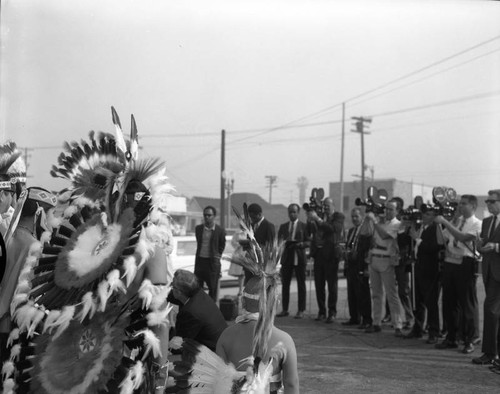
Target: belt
(383,256)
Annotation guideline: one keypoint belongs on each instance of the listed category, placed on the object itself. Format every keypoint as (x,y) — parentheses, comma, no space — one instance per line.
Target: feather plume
(134,140)
(104,294)
(89,306)
(151,342)
(120,141)
(24,316)
(7,369)
(18,299)
(114,282)
(130,267)
(15,352)
(13,336)
(127,384)
(146,293)
(138,374)
(52,317)
(8,386)
(37,318)
(64,320)
(159,317)
(145,248)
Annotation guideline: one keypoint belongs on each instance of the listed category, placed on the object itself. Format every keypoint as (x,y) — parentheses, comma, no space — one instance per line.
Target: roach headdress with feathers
(80,327)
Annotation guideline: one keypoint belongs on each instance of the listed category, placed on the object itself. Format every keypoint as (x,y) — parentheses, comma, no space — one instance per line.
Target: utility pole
(360,128)
(222,174)
(342,161)
(272,180)
(229,189)
(302,184)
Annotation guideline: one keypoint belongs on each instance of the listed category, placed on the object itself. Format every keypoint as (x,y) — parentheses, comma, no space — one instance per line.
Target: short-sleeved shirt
(389,246)
(455,251)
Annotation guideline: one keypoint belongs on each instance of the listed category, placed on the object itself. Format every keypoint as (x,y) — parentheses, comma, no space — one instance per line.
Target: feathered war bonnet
(12,168)
(261,291)
(103,238)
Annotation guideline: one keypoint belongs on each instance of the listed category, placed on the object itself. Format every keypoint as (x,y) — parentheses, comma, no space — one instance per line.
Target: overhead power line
(329,108)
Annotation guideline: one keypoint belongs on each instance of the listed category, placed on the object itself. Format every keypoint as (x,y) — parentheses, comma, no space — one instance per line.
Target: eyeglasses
(207,214)
(491,201)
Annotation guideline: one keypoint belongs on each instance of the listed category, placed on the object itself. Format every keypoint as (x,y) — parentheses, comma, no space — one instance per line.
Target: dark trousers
(404,291)
(460,299)
(426,298)
(358,295)
(326,272)
(491,324)
(287,271)
(208,273)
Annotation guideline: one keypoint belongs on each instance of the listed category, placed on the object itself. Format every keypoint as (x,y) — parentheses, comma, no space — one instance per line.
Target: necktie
(291,234)
(493,226)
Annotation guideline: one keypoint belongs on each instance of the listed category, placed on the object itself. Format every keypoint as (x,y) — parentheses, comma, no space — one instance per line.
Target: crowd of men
(402,266)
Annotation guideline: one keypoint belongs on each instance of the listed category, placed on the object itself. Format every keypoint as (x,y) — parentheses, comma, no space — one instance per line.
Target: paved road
(338,359)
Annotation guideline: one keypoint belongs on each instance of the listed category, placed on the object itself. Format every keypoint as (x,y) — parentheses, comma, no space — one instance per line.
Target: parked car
(184,252)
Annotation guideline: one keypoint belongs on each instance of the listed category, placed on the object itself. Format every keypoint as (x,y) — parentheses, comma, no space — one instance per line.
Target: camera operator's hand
(440,220)
(371,216)
(314,216)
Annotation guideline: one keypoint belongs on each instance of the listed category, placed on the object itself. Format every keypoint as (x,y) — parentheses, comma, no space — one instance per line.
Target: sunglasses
(491,201)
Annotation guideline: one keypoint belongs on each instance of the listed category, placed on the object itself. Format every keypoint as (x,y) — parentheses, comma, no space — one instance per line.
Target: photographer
(403,269)
(382,258)
(428,244)
(459,274)
(326,233)
(358,286)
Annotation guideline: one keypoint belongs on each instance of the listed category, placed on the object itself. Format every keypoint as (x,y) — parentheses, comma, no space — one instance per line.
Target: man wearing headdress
(235,343)
(90,310)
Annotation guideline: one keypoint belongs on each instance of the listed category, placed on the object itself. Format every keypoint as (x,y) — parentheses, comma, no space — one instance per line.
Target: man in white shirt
(382,258)
(459,273)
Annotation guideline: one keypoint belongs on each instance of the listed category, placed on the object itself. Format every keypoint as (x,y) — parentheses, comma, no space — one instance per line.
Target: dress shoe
(330,319)
(321,316)
(432,340)
(349,323)
(407,326)
(373,329)
(398,333)
(484,360)
(364,326)
(299,315)
(386,319)
(446,344)
(476,341)
(413,335)
(282,314)
(468,348)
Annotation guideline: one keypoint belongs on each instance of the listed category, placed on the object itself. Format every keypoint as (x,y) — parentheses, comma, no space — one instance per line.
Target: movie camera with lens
(413,212)
(375,201)
(445,202)
(315,202)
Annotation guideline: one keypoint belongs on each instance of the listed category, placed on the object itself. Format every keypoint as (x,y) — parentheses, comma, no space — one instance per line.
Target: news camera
(315,202)
(445,202)
(413,213)
(375,201)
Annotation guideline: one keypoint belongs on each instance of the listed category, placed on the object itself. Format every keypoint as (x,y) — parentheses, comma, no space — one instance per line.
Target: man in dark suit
(199,318)
(211,241)
(294,235)
(428,245)
(326,232)
(263,230)
(489,247)
(358,243)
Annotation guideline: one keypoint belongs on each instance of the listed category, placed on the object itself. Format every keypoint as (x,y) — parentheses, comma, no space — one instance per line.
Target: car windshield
(186,248)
